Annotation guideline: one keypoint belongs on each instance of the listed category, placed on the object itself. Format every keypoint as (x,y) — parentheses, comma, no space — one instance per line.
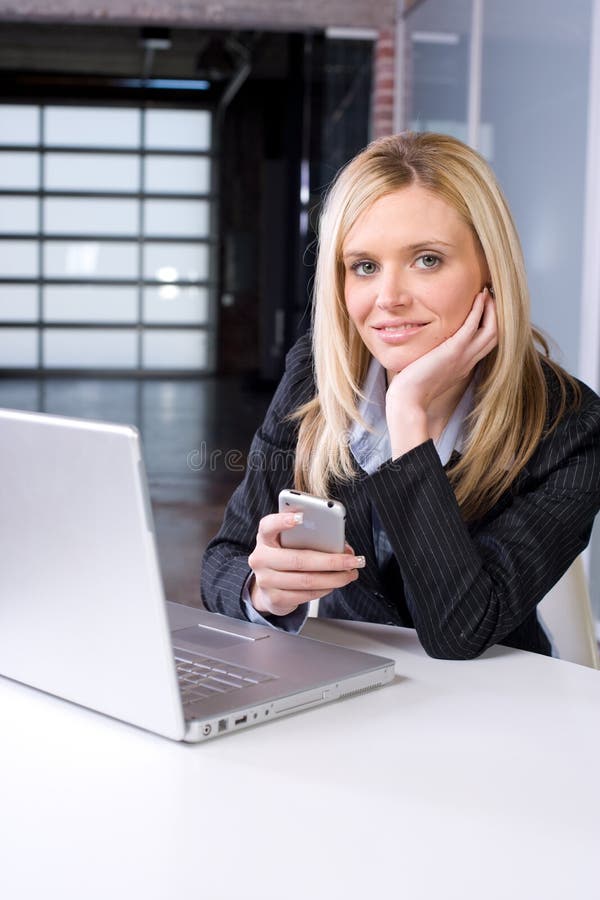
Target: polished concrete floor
(187,428)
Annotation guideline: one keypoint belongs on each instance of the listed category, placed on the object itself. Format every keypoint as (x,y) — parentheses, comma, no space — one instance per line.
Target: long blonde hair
(511,402)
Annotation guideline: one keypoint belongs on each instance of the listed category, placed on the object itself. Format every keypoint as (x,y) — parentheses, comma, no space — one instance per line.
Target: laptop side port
(222,726)
(241,720)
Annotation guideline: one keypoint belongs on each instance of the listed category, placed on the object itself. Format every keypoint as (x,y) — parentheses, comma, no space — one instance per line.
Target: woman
(425,401)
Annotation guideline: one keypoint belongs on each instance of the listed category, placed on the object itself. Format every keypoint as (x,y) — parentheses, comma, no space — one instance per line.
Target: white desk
(460,780)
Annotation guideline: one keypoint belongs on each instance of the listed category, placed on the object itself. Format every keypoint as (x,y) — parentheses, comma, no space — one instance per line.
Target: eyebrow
(420,245)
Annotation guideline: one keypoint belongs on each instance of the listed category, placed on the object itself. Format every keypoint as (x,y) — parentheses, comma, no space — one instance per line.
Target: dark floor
(187,427)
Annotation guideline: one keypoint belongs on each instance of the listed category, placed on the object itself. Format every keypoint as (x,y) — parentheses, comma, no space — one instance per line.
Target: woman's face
(412,271)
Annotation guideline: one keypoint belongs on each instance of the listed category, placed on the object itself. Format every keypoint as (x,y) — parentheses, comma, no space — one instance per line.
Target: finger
(478,327)
(282,602)
(317,582)
(476,313)
(287,560)
(463,336)
(270,527)
(273,556)
(487,336)
(490,315)
(285,602)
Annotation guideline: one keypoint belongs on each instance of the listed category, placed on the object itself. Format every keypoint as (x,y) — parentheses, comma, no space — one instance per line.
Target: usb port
(241,720)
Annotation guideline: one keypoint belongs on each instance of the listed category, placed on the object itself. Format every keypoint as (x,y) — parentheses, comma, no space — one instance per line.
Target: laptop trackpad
(207,638)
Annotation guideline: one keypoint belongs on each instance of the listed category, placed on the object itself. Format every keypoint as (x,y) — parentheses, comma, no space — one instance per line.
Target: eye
(427,261)
(364,267)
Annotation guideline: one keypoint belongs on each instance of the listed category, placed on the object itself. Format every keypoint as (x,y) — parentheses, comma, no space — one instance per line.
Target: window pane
(18,259)
(543,94)
(176,218)
(76,348)
(19,215)
(18,348)
(176,262)
(91,126)
(92,172)
(19,171)
(175,350)
(86,216)
(90,259)
(177,129)
(177,305)
(176,175)
(19,124)
(84,303)
(438,70)
(18,302)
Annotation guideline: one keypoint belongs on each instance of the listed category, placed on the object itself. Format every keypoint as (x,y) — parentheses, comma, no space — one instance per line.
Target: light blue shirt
(370,448)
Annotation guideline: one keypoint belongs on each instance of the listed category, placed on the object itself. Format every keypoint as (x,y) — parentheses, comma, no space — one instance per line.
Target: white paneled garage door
(106,248)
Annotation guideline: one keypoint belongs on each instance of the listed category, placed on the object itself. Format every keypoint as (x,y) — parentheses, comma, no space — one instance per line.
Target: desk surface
(459,780)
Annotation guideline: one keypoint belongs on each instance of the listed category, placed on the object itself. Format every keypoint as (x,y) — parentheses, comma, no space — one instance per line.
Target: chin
(395,362)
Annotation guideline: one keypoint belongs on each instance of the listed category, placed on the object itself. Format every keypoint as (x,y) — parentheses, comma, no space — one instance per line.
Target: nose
(392,292)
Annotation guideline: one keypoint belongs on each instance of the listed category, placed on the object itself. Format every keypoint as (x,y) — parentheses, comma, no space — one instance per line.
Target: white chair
(567,614)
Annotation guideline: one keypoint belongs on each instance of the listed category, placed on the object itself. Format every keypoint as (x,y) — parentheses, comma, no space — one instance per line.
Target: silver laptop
(82,610)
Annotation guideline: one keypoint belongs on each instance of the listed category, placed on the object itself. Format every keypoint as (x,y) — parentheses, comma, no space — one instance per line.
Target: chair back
(567,615)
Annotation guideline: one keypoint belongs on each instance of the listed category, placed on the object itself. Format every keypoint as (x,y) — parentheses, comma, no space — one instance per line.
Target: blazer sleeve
(269,469)
(469,587)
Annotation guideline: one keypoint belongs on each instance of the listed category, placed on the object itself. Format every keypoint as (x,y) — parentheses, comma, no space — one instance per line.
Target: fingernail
(360,562)
(295,518)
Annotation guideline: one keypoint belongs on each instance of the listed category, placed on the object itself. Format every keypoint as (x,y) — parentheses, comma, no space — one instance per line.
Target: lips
(397,332)
(399,326)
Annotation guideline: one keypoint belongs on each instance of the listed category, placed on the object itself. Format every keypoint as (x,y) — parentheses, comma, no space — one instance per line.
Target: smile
(404,327)
(401,331)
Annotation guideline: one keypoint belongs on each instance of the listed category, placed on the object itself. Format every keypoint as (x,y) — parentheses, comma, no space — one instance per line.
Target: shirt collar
(372,448)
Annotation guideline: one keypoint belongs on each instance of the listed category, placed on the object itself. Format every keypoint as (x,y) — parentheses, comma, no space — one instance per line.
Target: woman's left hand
(413,390)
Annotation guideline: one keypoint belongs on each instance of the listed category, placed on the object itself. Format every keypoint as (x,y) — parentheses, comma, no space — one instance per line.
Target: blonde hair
(510,412)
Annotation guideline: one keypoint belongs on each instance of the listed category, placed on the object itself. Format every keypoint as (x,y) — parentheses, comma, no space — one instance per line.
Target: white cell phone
(323,525)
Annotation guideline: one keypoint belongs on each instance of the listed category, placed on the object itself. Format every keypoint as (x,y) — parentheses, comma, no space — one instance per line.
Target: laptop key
(216,684)
(216,674)
(238,672)
(186,681)
(261,677)
(234,685)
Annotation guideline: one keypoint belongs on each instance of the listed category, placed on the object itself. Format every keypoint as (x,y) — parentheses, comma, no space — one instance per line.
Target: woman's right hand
(286,578)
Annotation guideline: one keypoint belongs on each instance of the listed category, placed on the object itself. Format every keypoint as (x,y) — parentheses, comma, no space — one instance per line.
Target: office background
(160,172)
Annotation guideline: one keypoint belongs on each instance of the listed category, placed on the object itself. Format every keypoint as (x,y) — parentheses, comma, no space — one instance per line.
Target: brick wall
(382,116)
(284,15)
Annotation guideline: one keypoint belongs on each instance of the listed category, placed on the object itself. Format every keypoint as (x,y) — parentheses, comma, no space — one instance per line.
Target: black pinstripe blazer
(463,587)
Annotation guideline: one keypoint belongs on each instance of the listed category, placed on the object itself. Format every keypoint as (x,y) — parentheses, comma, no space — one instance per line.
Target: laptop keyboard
(201,677)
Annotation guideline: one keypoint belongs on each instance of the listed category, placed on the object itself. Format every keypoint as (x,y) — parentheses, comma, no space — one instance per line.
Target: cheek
(452,314)
(357,305)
